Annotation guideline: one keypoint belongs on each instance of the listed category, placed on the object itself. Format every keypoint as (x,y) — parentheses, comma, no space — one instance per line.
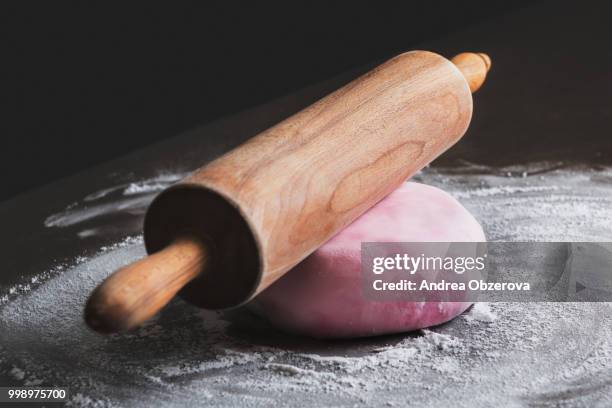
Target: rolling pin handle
(474,67)
(135,293)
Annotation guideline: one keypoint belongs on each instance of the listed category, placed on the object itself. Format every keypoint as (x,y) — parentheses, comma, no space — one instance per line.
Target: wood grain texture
(272,201)
(304,179)
(474,67)
(138,291)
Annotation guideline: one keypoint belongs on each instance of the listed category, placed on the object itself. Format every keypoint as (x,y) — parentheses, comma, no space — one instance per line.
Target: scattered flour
(551,203)
(133,198)
(504,190)
(505,354)
(480,312)
(17,373)
(151,185)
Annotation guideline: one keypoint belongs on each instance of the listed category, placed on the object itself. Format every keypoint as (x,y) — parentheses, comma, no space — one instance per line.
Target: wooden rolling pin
(234,226)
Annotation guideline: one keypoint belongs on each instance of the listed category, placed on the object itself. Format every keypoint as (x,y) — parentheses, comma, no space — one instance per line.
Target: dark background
(85,83)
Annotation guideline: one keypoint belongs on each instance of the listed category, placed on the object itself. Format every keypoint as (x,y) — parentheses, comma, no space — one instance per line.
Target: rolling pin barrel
(236,225)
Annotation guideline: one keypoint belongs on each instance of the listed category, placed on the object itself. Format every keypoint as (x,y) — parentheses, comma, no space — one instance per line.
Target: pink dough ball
(322,296)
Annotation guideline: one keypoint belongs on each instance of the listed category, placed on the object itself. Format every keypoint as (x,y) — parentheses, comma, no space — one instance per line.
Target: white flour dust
(131,197)
(536,204)
(502,354)
(481,312)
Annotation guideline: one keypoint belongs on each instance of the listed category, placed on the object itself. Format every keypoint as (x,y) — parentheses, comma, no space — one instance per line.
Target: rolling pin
(233,227)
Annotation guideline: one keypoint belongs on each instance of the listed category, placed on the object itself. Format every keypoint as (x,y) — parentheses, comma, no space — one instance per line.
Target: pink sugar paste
(322,296)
